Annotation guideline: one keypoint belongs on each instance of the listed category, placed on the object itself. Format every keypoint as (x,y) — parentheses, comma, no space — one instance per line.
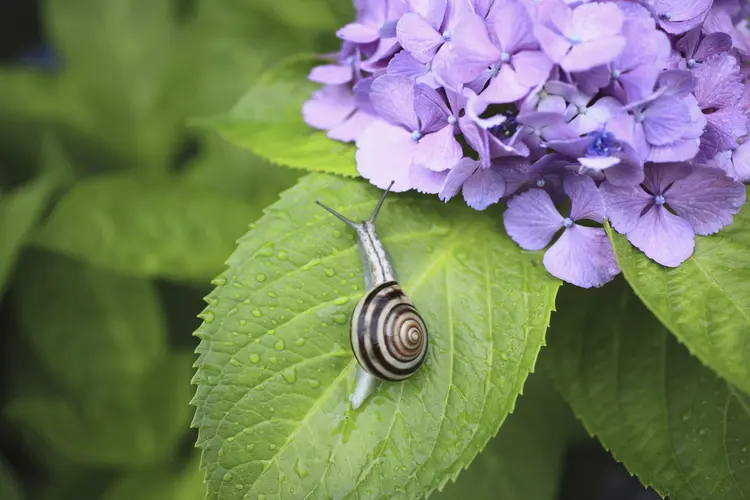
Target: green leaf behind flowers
(668,418)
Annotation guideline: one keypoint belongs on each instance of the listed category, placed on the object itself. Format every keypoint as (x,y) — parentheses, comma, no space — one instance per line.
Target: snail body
(387,333)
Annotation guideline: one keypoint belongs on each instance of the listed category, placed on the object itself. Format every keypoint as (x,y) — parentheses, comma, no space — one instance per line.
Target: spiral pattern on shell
(389,337)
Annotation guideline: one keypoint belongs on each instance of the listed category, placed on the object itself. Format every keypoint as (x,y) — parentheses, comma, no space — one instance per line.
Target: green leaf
(19,211)
(99,333)
(145,228)
(117,56)
(224,169)
(525,460)
(670,420)
(705,302)
(156,485)
(9,488)
(276,370)
(268,121)
(117,435)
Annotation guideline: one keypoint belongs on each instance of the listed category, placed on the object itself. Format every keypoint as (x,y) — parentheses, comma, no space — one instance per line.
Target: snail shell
(388,335)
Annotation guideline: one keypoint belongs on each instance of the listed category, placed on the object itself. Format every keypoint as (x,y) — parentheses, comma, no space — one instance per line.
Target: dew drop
(705,431)
(230,439)
(330,273)
(336,233)
(272,295)
(260,277)
(238,486)
(340,318)
(300,342)
(339,301)
(242,322)
(254,358)
(314,383)
(228,476)
(208,316)
(250,447)
(257,313)
(271,446)
(219,281)
(282,255)
(266,251)
(235,362)
(290,375)
(686,416)
(261,497)
(301,469)
(279,345)
(273,360)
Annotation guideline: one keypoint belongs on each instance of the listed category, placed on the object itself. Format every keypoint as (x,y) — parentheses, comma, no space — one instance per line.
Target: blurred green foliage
(114,216)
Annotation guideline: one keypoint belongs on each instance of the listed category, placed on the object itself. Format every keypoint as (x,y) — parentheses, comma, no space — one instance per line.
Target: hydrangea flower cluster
(634,111)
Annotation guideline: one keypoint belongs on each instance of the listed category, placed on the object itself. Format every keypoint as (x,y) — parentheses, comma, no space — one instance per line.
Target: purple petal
(432,10)
(582,256)
(629,172)
(511,25)
(585,199)
(417,36)
(718,82)
(456,178)
(425,180)
(532,67)
(484,188)
(662,175)
(404,64)
(624,205)
(351,128)
(531,219)
(740,164)
(431,109)
(362,91)
(663,237)
(471,52)
(384,154)
(676,152)
(329,106)
(331,74)
(596,21)
(712,44)
(438,151)
(393,99)
(504,87)
(727,125)
(358,33)
(679,16)
(665,120)
(587,55)
(554,45)
(707,199)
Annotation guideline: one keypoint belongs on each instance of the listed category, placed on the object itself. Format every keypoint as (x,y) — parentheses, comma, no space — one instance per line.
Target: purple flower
(335,108)
(667,125)
(581,255)
(718,90)
(633,73)
(425,30)
(674,203)
(481,186)
(375,30)
(678,16)
(501,55)
(582,38)
(735,163)
(417,131)
(694,48)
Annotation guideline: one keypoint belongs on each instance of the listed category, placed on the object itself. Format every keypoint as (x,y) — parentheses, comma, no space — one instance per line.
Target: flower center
(665,16)
(540,183)
(567,222)
(604,144)
(659,200)
(452,120)
(446,35)
(416,135)
(692,63)
(616,74)
(505,57)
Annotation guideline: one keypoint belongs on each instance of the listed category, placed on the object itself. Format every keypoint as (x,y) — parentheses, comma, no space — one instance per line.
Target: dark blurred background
(95,318)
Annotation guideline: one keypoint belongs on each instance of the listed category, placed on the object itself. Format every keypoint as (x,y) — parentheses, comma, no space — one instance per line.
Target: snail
(387,333)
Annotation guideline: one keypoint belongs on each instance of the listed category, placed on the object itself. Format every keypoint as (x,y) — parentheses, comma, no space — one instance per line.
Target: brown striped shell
(389,337)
